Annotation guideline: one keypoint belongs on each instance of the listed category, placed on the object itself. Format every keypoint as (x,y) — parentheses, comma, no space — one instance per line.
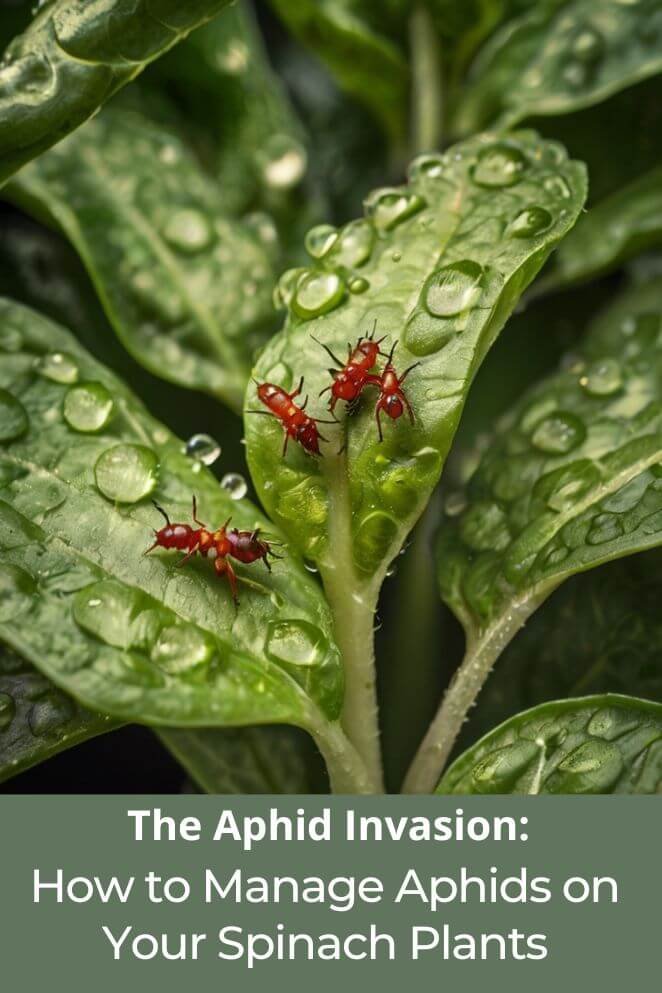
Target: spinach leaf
(558,57)
(571,480)
(269,759)
(128,635)
(37,720)
(347,35)
(618,228)
(73,57)
(595,744)
(187,288)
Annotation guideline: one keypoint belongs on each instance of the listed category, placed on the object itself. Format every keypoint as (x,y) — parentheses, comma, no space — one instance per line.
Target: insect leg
(379,423)
(189,555)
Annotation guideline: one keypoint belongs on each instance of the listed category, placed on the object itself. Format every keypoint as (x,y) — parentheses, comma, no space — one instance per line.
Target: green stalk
(427,99)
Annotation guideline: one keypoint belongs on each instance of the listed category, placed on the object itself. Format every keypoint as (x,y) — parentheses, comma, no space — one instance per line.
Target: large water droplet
(529,222)
(321,240)
(7,710)
(562,488)
(358,284)
(390,207)
(182,649)
(47,715)
(318,293)
(295,642)
(426,167)
(189,231)
(354,245)
(501,769)
(58,367)
(87,407)
(235,485)
(203,448)
(374,536)
(109,611)
(499,165)
(558,434)
(13,417)
(284,162)
(593,767)
(126,473)
(604,528)
(453,289)
(602,378)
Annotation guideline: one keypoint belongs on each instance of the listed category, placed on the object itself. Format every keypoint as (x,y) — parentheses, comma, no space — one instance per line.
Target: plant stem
(427,102)
(480,656)
(346,769)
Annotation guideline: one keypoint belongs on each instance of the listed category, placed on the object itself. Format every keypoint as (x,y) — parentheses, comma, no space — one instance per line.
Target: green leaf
(187,288)
(616,229)
(598,744)
(270,759)
(73,57)
(128,635)
(438,265)
(558,57)
(36,719)
(347,35)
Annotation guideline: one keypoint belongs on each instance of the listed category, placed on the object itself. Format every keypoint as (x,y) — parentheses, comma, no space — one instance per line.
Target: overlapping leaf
(435,266)
(36,719)
(187,288)
(128,635)
(598,744)
(73,57)
(558,57)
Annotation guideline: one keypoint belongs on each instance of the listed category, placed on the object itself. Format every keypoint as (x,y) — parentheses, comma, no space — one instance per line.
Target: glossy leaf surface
(599,744)
(187,288)
(36,719)
(436,267)
(133,636)
(73,57)
(559,57)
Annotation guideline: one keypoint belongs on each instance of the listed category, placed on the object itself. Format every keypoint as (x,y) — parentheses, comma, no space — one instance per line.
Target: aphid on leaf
(350,378)
(392,400)
(244,546)
(296,423)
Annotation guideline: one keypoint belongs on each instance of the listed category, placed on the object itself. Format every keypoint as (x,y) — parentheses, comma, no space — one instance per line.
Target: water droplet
(318,293)
(180,649)
(453,289)
(593,767)
(562,488)
(188,231)
(426,167)
(501,769)
(358,285)
(295,642)
(13,417)
(529,222)
(499,165)
(47,715)
(287,285)
(7,710)
(354,245)
(87,407)
(203,448)
(602,378)
(556,186)
(604,528)
(484,527)
(396,256)
(374,536)
(126,473)
(235,485)
(321,240)
(234,60)
(310,565)
(284,162)
(392,570)
(58,367)
(558,434)
(390,207)
(588,45)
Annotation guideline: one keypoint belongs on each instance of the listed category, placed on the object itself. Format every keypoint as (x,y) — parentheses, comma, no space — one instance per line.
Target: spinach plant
(209,215)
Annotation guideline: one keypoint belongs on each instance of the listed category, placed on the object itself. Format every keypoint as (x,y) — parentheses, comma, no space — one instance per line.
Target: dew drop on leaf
(602,378)
(484,527)
(189,231)
(58,367)
(320,240)
(605,527)
(87,407)
(318,293)
(203,448)
(593,767)
(295,642)
(426,167)
(453,289)
(358,284)
(13,417)
(126,473)
(354,245)
(529,222)
(388,207)
(235,484)
(499,772)
(499,165)
(47,715)
(181,649)
(558,434)
(283,162)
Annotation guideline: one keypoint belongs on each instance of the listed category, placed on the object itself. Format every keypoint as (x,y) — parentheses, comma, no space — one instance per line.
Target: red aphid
(244,546)
(392,399)
(350,378)
(296,423)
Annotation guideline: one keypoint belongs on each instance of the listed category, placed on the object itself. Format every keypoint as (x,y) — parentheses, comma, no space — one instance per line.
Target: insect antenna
(162,512)
(327,350)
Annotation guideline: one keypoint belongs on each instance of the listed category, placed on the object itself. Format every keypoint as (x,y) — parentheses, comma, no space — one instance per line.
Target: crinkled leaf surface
(348,36)
(571,479)
(616,229)
(598,744)
(558,57)
(187,288)
(37,720)
(73,57)
(438,265)
(270,759)
(132,636)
